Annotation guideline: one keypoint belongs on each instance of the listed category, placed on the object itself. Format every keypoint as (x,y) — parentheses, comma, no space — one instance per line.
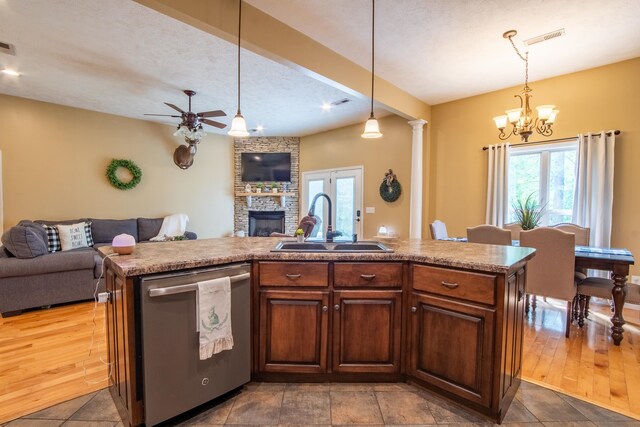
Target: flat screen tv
(266,167)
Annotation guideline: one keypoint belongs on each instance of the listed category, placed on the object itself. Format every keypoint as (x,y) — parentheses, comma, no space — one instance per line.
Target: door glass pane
(524,179)
(562,178)
(345,206)
(315,187)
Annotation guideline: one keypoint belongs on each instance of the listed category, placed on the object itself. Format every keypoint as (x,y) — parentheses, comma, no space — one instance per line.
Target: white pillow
(72,236)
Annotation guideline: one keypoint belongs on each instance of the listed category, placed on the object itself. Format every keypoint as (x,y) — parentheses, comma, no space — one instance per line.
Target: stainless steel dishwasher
(175,380)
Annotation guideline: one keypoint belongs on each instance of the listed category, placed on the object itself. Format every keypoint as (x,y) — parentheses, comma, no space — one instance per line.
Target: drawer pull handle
(336,307)
(293,276)
(325,308)
(368,276)
(450,285)
(414,309)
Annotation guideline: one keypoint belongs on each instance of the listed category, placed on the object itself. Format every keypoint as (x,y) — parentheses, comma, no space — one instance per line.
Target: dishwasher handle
(172,290)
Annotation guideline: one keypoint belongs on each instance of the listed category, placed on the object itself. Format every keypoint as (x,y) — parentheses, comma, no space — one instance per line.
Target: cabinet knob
(336,307)
(414,309)
(325,308)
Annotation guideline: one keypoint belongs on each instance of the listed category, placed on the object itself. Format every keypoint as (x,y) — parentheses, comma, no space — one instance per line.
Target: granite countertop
(156,257)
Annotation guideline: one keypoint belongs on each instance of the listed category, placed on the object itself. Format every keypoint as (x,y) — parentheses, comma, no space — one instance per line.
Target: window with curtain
(548,172)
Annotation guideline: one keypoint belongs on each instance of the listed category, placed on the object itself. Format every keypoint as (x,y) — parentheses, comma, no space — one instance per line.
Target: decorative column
(415,218)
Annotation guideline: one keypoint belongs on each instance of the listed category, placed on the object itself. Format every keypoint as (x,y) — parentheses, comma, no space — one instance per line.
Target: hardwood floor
(41,355)
(586,365)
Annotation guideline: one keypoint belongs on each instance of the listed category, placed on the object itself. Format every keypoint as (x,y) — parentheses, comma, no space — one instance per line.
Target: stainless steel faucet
(312,208)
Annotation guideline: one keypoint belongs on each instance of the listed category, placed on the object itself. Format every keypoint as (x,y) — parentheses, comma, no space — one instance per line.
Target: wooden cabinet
(452,346)
(293,331)
(367,331)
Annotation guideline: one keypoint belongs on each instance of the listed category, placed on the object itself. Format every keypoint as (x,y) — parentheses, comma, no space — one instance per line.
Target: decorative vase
(274,190)
(300,238)
(258,190)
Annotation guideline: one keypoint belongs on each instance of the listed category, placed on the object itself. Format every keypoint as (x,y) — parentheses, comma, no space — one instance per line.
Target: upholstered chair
(550,272)
(489,234)
(438,230)
(515,228)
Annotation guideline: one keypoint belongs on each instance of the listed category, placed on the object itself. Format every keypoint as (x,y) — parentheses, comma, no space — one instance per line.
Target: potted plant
(274,187)
(528,213)
(259,187)
(299,235)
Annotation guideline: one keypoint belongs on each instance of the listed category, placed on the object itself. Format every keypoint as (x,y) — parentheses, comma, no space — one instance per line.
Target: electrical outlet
(635,279)
(103,297)
(370,209)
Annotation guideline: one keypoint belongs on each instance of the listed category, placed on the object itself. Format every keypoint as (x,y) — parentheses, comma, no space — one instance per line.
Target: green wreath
(390,193)
(134,169)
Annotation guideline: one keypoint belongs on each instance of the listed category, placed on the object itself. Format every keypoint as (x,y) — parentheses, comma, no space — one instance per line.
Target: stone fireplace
(263,223)
(267,203)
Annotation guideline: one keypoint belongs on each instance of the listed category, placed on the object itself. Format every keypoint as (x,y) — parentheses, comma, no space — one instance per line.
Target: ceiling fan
(191,128)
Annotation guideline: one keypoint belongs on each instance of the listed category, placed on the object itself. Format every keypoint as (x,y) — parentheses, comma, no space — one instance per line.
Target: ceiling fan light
(371,129)
(239,127)
(501,121)
(181,131)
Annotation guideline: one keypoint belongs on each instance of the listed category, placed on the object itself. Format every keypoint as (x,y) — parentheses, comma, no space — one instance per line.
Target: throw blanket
(172,225)
(213,316)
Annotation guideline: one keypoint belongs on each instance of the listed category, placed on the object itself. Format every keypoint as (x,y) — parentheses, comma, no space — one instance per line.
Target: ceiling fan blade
(212,123)
(174,107)
(163,115)
(217,113)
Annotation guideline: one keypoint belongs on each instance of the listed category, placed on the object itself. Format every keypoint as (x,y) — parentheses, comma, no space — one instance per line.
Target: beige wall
(602,98)
(344,147)
(55,157)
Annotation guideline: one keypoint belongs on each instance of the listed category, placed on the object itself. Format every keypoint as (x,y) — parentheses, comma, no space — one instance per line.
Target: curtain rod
(615,132)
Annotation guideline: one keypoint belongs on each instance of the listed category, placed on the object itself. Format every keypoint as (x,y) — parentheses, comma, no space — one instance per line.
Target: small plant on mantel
(259,187)
(528,213)
(274,187)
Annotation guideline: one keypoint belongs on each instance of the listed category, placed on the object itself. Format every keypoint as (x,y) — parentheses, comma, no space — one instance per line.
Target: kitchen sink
(315,246)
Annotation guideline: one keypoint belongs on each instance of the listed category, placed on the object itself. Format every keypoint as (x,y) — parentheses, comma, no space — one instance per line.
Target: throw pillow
(53,238)
(87,230)
(73,236)
(24,242)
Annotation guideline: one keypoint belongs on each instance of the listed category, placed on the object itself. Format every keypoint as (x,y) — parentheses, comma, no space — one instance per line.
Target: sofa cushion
(24,242)
(148,228)
(53,238)
(37,227)
(104,230)
(77,259)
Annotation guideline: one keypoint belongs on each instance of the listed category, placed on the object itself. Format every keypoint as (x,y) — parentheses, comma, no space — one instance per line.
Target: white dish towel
(172,225)
(213,316)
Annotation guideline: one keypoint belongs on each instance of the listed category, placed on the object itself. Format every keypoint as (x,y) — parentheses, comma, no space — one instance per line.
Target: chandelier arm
(503,136)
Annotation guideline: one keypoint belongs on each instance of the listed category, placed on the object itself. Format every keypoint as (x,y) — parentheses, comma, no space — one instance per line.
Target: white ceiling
(119,57)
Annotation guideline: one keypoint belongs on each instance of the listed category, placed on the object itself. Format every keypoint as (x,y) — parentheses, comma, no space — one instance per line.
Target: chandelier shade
(521,119)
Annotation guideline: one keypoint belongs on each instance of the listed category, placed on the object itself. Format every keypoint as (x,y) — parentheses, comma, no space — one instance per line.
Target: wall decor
(134,169)
(390,189)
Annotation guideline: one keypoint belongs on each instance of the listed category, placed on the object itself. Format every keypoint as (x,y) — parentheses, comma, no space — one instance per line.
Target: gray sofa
(66,276)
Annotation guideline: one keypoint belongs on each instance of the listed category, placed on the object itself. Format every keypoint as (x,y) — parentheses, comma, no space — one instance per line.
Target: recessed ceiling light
(10,72)
(326,106)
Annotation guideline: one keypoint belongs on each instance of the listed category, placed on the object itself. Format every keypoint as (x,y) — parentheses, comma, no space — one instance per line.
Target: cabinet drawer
(476,287)
(387,275)
(314,274)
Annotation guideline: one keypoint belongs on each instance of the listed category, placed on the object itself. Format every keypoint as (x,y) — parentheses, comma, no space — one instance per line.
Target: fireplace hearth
(263,223)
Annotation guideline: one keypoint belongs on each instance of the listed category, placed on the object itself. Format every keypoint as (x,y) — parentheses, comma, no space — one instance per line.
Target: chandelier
(521,119)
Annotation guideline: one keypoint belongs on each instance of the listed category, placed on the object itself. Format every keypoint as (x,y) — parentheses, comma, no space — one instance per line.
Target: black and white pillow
(53,238)
(87,231)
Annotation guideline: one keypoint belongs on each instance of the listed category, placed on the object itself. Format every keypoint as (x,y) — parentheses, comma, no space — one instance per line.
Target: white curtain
(593,198)
(498,184)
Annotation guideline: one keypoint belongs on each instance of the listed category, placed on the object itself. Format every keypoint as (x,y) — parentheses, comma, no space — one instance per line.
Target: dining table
(614,260)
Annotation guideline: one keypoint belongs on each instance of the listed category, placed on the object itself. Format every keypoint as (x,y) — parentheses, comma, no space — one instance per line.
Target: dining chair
(550,271)
(581,233)
(438,230)
(515,228)
(488,234)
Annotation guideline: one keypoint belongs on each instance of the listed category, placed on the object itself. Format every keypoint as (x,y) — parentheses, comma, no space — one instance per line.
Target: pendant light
(238,125)
(371,128)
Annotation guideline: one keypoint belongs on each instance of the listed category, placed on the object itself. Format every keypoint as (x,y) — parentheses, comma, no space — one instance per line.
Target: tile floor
(266,404)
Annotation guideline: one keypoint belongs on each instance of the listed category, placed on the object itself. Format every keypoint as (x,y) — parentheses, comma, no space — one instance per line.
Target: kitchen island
(447,316)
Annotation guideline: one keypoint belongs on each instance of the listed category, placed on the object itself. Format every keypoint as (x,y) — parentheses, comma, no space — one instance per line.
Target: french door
(344,188)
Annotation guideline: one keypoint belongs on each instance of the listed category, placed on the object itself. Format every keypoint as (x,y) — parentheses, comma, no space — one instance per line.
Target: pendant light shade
(371,128)
(239,125)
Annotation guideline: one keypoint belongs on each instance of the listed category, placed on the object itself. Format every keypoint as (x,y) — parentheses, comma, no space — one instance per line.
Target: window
(549,173)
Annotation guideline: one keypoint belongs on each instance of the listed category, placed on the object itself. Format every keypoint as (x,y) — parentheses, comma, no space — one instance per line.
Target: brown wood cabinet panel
(452,346)
(314,274)
(513,318)
(367,328)
(367,274)
(293,331)
(476,287)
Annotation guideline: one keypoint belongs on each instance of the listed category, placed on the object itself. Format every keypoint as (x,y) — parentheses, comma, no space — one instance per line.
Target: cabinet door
(452,346)
(512,324)
(367,331)
(293,331)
